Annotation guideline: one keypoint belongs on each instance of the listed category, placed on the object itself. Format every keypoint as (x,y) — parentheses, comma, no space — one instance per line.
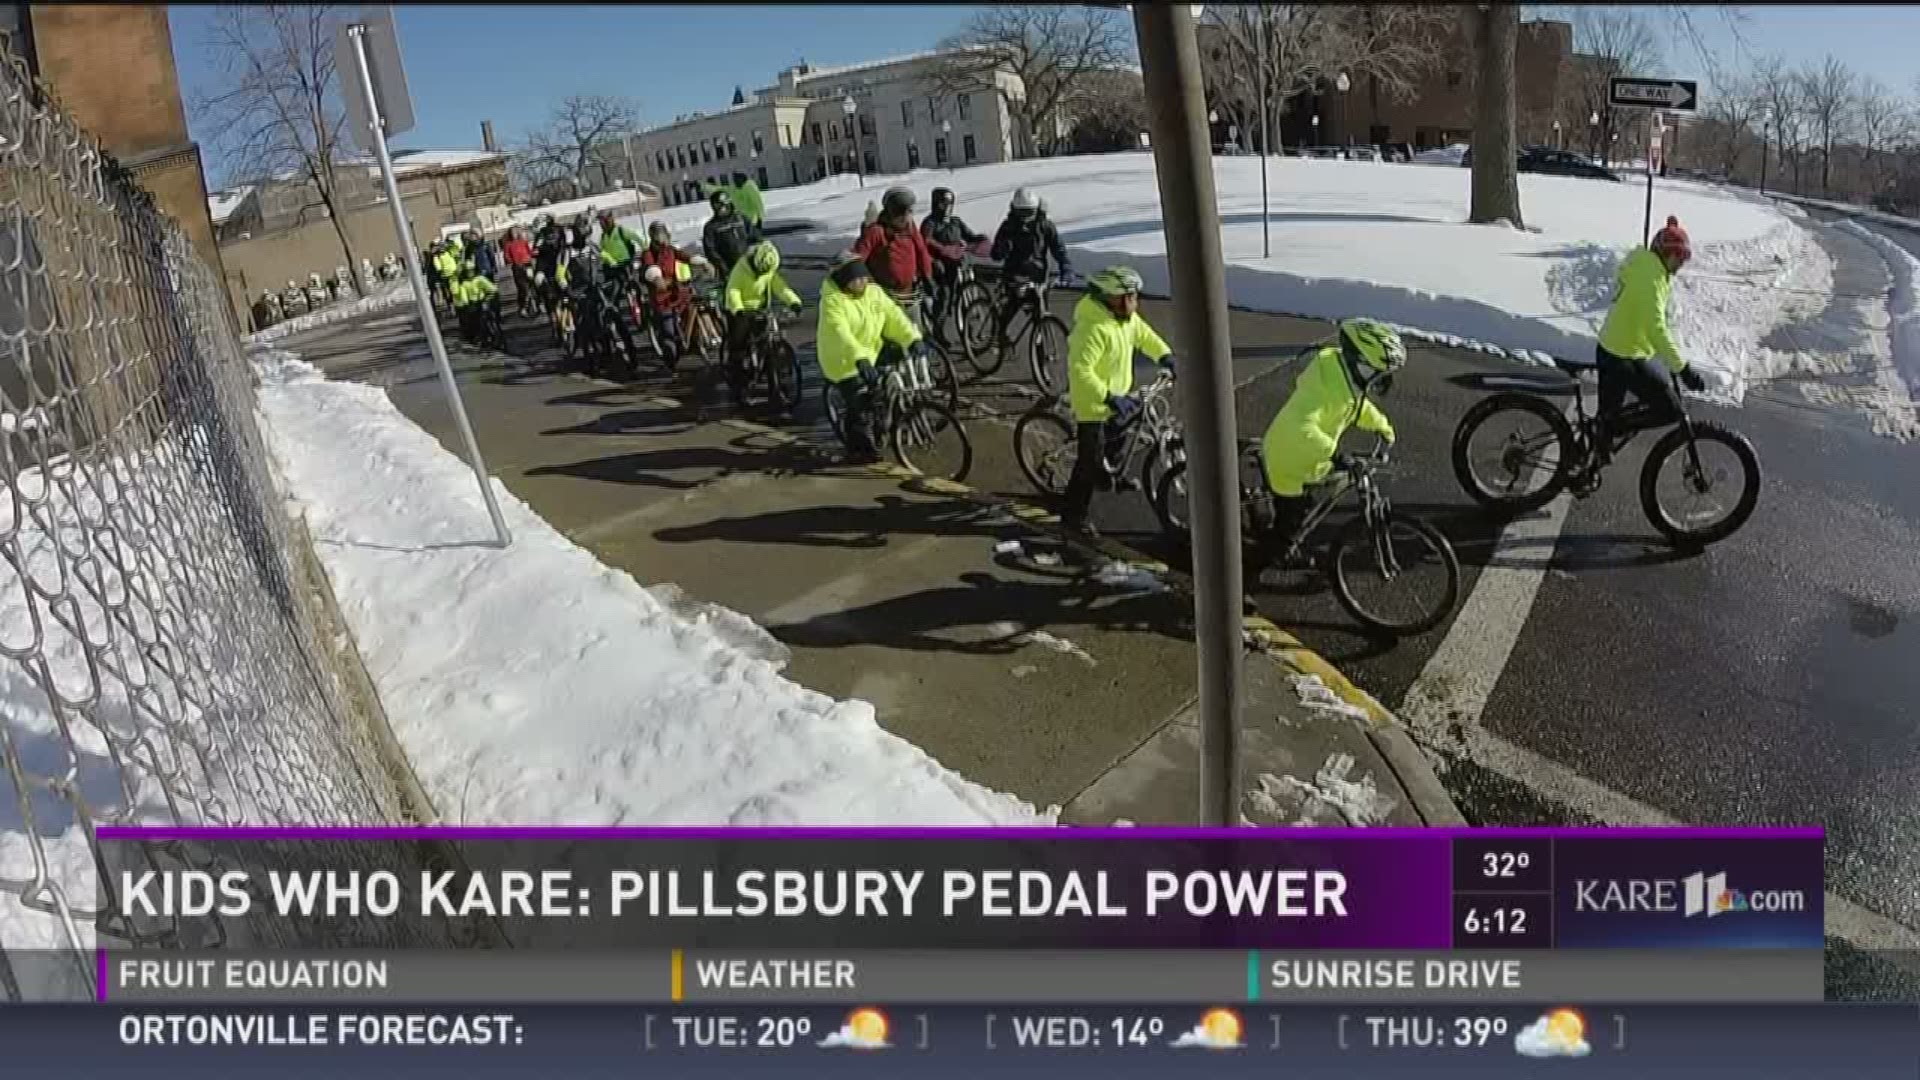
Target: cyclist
(860,329)
(1636,349)
(1107,332)
(549,244)
(948,239)
(754,282)
(619,245)
(667,272)
(1021,246)
(1332,394)
(519,255)
(474,297)
(728,233)
(896,253)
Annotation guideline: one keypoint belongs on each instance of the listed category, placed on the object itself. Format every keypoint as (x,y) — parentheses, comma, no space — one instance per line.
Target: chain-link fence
(163,655)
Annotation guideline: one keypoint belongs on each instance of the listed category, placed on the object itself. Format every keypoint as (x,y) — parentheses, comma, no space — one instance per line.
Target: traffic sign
(391,101)
(1680,95)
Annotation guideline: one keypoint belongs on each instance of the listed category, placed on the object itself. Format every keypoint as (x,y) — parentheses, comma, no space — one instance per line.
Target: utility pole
(1183,161)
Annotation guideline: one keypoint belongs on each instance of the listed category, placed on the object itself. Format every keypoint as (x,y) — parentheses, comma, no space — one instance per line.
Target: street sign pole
(1653,149)
(1657,96)
(376,134)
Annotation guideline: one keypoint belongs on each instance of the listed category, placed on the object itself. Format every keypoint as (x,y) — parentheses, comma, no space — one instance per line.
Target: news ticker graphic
(584,890)
(876,1038)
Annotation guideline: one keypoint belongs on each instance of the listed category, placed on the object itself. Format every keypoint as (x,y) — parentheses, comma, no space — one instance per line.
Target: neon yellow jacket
(852,330)
(1100,357)
(748,291)
(473,290)
(620,246)
(448,264)
(1636,328)
(1299,444)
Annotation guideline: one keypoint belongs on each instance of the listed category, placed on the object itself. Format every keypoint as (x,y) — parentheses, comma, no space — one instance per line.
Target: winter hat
(1672,240)
(849,268)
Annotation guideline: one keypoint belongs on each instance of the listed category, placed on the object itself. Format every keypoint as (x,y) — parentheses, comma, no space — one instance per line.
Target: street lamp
(1558,143)
(1343,84)
(946,138)
(849,106)
(1316,129)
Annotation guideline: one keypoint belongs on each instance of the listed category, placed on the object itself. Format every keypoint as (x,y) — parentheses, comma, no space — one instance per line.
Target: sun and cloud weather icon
(864,1029)
(1218,1029)
(1560,1033)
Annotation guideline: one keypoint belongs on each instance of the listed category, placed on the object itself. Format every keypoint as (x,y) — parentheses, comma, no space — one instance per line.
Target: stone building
(799,130)
(110,67)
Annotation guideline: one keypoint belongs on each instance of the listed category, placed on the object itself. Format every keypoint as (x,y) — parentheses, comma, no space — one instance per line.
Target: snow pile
(391,294)
(1388,241)
(1897,382)
(533,685)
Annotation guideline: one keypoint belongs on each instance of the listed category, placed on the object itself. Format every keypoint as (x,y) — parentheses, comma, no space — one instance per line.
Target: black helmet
(720,201)
(942,200)
(897,201)
(848,268)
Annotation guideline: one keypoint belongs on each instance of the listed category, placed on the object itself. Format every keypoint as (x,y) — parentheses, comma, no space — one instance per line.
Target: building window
(787,139)
(833,130)
(706,151)
(939,151)
(733,148)
(966,106)
(873,163)
(659,160)
(817,140)
(759,145)
(913,155)
(794,168)
(966,146)
(761,177)
(837,170)
(866,123)
(933,110)
(906,114)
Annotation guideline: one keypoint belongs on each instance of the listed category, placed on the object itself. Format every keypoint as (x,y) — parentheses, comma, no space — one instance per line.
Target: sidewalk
(1051,675)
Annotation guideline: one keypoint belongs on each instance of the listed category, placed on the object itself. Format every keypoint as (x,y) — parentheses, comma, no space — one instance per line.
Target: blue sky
(510,64)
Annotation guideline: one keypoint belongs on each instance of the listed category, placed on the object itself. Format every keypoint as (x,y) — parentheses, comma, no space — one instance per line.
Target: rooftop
(222,204)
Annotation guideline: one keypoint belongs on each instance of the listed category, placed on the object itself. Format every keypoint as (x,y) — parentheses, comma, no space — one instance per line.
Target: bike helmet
(1115,281)
(655,275)
(582,223)
(763,257)
(897,201)
(1040,205)
(720,201)
(659,233)
(1023,202)
(1371,349)
(849,268)
(942,200)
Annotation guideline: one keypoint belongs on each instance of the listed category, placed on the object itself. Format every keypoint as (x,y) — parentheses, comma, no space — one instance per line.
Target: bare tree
(1885,125)
(1496,183)
(1611,41)
(1782,115)
(1050,48)
(1827,92)
(1108,110)
(276,110)
(1736,114)
(569,145)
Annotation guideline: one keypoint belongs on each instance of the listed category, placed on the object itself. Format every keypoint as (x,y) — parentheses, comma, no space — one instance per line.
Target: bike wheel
(946,378)
(1047,349)
(1704,494)
(830,406)
(972,313)
(1154,464)
(1171,503)
(1508,441)
(1046,446)
(629,350)
(928,439)
(1395,574)
(783,377)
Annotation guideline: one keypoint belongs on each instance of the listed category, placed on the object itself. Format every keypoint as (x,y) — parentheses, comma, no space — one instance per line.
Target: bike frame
(1585,422)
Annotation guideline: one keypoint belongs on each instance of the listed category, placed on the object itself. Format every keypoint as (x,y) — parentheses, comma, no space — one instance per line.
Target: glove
(868,375)
(1123,409)
(793,307)
(1692,380)
(1167,362)
(1343,460)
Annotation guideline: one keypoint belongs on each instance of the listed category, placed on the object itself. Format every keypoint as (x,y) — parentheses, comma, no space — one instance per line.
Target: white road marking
(1443,709)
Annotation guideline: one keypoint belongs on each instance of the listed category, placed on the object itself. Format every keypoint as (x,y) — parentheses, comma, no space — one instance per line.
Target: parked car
(1324,152)
(1551,162)
(1456,154)
(1363,153)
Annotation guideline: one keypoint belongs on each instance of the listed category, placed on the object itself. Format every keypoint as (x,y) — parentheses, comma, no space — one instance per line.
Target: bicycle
(601,330)
(909,419)
(1564,454)
(967,317)
(1044,333)
(1367,547)
(1046,445)
(918,306)
(771,358)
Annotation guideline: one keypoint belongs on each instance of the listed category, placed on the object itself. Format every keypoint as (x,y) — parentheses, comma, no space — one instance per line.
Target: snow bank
(534,685)
(1903,312)
(391,294)
(1388,241)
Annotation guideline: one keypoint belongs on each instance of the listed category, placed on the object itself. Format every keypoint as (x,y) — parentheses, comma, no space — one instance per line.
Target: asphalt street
(1767,680)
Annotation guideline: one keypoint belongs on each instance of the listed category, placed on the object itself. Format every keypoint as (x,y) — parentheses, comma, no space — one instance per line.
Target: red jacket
(670,295)
(518,251)
(898,261)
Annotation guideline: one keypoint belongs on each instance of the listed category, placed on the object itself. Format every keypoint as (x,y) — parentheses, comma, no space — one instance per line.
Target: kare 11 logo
(1697,895)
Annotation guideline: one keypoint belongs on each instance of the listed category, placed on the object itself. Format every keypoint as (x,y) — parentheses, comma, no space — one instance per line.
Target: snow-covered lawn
(1390,241)
(533,685)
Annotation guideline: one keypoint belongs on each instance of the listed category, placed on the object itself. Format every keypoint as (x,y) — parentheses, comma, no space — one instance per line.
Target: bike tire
(1675,441)
(629,350)
(1360,531)
(974,316)
(1047,352)
(946,378)
(1486,408)
(936,421)
(783,377)
(1043,470)
(830,408)
(1175,518)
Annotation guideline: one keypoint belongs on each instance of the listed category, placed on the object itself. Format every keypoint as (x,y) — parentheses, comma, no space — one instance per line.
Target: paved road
(1606,680)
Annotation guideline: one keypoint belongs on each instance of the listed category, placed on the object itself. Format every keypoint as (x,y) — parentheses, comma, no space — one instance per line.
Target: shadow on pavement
(846,526)
(649,468)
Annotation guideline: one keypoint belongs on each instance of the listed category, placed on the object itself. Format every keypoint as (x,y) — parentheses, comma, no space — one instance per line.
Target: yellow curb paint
(946,487)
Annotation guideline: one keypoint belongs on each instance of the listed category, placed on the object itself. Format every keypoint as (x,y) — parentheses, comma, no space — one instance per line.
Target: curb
(1403,757)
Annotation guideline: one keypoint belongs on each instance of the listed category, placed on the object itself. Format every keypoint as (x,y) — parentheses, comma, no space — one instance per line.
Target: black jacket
(726,239)
(947,231)
(1022,246)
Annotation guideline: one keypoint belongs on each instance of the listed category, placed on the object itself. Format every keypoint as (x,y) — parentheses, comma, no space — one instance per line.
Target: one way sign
(1680,95)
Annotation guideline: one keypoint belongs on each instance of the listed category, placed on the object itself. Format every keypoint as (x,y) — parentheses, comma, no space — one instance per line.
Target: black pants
(1272,525)
(856,405)
(1011,303)
(1098,442)
(1650,385)
(742,328)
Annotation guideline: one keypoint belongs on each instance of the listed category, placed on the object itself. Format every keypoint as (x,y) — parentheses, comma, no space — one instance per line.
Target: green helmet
(763,257)
(1115,281)
(1371,347)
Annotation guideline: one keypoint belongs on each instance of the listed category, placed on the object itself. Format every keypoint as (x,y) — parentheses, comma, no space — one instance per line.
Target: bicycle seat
(1573,367)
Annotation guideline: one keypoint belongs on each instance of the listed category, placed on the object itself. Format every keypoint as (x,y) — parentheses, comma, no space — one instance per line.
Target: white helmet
(655,276)
(1042,206)
(292,284)
(1024,200)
